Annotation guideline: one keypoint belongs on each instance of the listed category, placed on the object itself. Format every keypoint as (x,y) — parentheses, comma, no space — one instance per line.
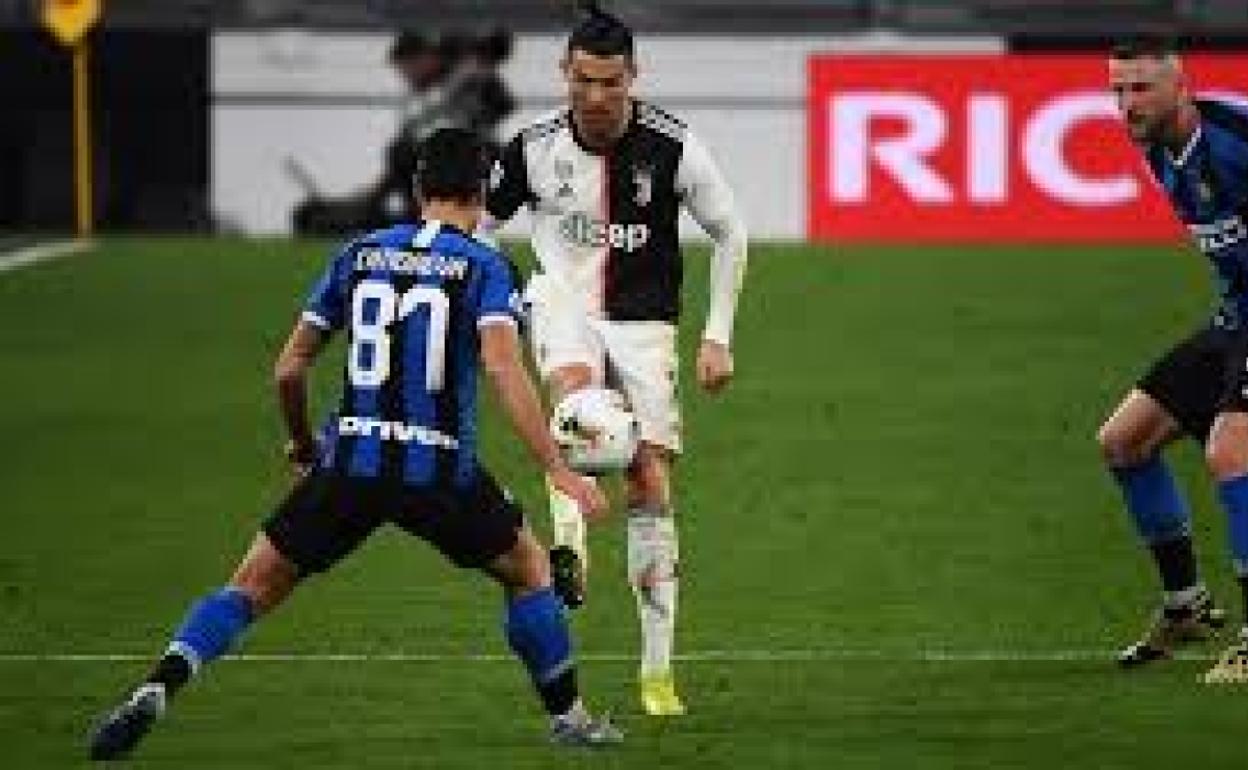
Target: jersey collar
(1188,149)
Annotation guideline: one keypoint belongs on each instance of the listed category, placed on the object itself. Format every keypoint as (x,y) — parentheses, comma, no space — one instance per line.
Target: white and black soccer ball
(596,430)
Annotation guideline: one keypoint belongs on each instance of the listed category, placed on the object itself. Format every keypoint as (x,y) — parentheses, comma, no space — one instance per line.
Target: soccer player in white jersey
(605,179)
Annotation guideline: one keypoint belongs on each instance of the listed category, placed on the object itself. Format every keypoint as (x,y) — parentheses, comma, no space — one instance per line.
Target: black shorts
(1202,376)
(327,516)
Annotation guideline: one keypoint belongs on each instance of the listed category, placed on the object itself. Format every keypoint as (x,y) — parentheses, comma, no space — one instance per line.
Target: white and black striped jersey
(605,224)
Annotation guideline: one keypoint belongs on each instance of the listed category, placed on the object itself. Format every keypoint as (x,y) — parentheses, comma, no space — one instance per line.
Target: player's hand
(302,456)
(589,498)
(714,366)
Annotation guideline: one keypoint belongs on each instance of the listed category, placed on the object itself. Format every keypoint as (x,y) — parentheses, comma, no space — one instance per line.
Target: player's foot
(1232,667)
(580,729)
(658,695)
(122,729)
(568,575)
(1174,627)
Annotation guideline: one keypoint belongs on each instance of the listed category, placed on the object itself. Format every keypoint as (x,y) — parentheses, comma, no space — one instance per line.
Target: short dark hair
(1144,46)
(600,33)
(451,163)
(409,42)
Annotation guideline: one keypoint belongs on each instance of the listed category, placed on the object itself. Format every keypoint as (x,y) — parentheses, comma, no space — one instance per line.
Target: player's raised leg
(537,632)
(1131,441)
(569,554)
(1227,457)
(262,581)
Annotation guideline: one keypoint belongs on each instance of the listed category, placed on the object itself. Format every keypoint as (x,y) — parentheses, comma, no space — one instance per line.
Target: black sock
(560,693)
(173,671)
(1176,561)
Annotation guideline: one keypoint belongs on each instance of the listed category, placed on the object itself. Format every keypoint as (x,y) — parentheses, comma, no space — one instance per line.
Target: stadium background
(899,545)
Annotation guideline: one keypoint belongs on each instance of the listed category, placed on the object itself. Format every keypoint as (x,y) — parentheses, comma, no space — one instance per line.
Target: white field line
(41,252)
(701,656)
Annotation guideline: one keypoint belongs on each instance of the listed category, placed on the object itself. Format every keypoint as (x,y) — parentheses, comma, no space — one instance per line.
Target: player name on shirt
(421,263)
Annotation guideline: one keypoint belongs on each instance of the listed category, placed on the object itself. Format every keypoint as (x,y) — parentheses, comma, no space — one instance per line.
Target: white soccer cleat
(1232,667)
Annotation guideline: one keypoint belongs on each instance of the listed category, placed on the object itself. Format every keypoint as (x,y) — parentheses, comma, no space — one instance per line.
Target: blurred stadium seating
(1074,18)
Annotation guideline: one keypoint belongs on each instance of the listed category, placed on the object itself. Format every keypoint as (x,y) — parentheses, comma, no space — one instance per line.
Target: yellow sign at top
(69,20)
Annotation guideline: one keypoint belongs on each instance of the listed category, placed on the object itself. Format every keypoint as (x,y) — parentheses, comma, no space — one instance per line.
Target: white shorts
(637,357)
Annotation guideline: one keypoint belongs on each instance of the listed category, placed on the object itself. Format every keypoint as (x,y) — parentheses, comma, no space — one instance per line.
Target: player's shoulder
(1225,114)
(660,121)
(544,126)
(457,243)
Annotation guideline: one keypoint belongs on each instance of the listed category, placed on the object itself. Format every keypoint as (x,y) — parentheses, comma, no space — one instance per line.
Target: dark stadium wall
(150,126)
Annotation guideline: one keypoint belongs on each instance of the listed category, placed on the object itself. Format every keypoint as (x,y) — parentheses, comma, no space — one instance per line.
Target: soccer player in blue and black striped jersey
(423,306)
(1197,149)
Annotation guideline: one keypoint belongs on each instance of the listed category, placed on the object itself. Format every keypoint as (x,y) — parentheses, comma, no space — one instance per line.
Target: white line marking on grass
(700,656)
(41,252)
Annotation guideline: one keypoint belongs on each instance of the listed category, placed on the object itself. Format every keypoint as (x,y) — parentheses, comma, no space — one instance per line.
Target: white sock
(568,523)
(652,573)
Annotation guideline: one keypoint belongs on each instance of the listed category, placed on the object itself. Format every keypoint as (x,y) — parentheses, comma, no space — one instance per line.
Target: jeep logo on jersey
(583,230)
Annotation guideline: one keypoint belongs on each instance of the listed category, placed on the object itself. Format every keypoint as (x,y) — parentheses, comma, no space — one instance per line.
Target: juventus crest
(643,185)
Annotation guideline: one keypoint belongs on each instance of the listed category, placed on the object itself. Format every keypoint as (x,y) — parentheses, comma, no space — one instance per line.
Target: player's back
(411,299)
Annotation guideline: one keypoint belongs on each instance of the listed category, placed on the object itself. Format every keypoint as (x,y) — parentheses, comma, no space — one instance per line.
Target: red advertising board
(983,148)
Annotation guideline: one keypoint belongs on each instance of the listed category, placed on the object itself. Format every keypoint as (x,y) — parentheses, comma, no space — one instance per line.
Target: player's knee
(1120,448)
(524,567)
(570,378)
(1227,459)
(265,577)
(646,482)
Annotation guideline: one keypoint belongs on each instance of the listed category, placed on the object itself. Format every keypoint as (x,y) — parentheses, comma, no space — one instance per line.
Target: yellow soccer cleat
(658,696)
(1232,667)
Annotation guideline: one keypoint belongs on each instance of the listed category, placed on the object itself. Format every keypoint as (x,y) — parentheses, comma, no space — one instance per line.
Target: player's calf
(537,631)
(211,627)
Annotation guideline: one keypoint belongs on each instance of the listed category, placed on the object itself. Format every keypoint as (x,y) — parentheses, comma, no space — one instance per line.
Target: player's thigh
(643,364)
(565,347)
(471,526)
(323,519)
(1226,451)
(1187,384)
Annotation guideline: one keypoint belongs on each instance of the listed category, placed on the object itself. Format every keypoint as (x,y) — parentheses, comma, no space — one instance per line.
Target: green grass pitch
(902,478)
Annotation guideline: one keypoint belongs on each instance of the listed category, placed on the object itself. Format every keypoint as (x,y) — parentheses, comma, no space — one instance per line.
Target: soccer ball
(596,430)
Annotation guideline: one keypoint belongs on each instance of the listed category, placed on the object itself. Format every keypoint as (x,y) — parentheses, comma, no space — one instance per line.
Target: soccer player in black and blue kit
(1197,150)
(424,306)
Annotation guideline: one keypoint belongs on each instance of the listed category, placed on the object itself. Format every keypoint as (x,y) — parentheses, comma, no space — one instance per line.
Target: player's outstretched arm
(516,393)
(290,375)
(709,201)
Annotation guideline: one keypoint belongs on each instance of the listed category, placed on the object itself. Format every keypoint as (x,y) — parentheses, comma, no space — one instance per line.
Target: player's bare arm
(516,393)
(290,375)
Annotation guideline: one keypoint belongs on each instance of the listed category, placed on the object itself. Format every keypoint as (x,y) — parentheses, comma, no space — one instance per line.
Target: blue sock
(1153,499)
(1234,495)
(537,631)
(212,626)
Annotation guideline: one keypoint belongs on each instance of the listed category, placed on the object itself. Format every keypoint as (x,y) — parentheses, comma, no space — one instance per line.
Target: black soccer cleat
(126,725)
(568,575)
(1174,627)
